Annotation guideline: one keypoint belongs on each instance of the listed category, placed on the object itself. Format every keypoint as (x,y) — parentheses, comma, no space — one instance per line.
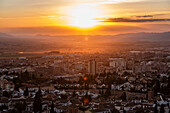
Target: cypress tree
(155,109)
(162,109)
(37,105)
(52,108)
(74,94)
(123,96)
(26,93)
(108,92)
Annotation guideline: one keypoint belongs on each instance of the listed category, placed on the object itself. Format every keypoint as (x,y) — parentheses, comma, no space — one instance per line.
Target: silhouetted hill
(47,42)
(5,35)
(151,37)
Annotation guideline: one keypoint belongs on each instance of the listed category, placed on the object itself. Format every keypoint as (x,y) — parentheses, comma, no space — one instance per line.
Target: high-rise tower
(92,67)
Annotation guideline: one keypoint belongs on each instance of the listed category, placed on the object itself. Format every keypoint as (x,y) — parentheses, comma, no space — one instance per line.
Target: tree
(3,107)
(26,93)
(155,109)
(86,86)
(108,92)
(52,108)
(39,92)
(37,105)
(41,75)
(168,85)
(126,73)
(33,77)
(124,111)
(157,87)
(100,91)
(114,110)
(16,88)
(6,94)
(20,107)
(147,94)
(74,94)
(123,96)
(162,109)
(169,82)
(13,111)
(139,110)
(122,88)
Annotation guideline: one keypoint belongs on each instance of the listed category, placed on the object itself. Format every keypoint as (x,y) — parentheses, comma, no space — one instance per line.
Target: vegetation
(37,105)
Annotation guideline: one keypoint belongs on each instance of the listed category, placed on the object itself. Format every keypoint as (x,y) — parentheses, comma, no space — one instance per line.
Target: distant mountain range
(5,35)
(153,37)
(46,42)
(141,36)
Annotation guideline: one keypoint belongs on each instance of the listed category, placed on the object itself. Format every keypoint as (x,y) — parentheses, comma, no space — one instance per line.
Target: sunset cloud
(133,20)
(64,15)
(144,16)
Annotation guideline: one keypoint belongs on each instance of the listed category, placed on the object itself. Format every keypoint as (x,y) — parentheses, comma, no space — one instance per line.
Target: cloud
(153,15)
(144,16)
(100,2)
(133,20)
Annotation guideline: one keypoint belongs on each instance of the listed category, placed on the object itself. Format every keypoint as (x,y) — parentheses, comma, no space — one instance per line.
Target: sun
(84,16)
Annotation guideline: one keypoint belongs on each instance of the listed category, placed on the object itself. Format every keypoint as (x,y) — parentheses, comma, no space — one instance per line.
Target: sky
(84,16)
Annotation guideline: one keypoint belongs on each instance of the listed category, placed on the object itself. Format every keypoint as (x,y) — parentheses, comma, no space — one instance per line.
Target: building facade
(92,67)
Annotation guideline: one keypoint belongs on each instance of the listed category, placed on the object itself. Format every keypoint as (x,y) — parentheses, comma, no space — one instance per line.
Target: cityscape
(85,56)
(131,81)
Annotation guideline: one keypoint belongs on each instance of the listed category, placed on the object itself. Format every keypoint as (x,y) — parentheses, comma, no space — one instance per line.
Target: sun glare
(86,38)
(84,16)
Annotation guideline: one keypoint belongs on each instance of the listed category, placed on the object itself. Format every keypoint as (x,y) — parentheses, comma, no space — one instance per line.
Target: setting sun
(84,16)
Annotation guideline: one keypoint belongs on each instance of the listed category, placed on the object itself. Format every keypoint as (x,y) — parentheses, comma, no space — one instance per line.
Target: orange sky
(84,16)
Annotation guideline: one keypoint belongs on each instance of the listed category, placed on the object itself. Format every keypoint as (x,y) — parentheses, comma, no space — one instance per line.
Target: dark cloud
(147,16)
(133,20)
(144,16)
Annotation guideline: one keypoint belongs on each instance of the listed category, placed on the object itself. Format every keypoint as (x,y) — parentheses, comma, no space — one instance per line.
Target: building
(92,67)
(118,64)
(6,85)
(150,95)
(141,67)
